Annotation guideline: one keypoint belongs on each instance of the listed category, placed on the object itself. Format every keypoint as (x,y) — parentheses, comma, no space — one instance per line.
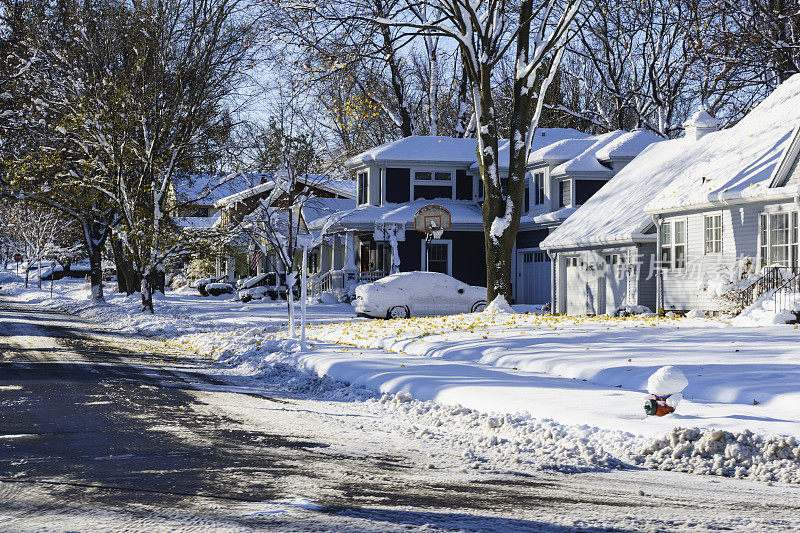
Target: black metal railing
(772,278)
(786,296)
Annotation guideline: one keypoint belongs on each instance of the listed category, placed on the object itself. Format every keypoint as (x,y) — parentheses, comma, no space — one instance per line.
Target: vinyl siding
(683,290)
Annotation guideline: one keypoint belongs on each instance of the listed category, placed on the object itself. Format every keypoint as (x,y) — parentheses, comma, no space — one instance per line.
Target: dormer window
(564,193)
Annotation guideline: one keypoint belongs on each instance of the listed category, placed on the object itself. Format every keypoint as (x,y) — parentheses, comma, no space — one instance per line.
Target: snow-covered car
(417,294)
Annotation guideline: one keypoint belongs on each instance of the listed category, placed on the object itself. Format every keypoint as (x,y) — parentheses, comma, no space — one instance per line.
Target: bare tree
(535,32)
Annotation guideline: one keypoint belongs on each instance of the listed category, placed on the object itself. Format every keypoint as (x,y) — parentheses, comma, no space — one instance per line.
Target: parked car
(417,294)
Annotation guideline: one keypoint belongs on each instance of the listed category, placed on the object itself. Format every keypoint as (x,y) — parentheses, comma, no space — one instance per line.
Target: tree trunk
(96,273)
(147,293)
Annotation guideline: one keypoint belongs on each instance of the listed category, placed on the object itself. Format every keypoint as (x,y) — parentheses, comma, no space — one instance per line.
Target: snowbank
(499,305)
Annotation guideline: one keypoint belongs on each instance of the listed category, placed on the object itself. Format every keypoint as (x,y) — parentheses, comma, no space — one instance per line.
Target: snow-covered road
(101,431)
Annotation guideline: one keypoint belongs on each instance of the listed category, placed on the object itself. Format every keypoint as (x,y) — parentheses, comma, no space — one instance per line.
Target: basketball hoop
(433,220)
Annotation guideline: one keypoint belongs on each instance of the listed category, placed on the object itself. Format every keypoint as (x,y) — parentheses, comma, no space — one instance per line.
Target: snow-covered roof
(209,188)
(544,137)
(552,217)
(189,223)
(461,212)
(615,213)
(587,161)
(560,151)
(340,187)
(420,148)
(627,146)
(737,163)
(732,165)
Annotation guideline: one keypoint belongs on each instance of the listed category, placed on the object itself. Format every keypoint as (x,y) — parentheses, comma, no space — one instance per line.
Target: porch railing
(787,296)
(337,281)
(771,278)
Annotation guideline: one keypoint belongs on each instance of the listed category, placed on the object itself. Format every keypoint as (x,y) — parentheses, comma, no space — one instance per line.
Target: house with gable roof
(691,221)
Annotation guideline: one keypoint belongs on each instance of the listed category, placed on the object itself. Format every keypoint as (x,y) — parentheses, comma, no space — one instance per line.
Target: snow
(420,148)
(365,216)
(696,313)
(703,119)
(736,164)
(345,188)
(587,161)
(499,305)
(422,293)
(560,151)
(667,380)
(543,137)
(627,146)
(549,391)
(208,188)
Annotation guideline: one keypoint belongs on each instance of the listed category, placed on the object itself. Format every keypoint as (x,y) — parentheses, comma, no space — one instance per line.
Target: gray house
(731,208)
(689,221)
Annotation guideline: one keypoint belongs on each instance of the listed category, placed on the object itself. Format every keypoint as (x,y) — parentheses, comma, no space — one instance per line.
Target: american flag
(254,260)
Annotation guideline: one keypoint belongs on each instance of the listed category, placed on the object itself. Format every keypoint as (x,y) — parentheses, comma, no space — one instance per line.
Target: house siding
(469,263)
(683,290)
(398,181)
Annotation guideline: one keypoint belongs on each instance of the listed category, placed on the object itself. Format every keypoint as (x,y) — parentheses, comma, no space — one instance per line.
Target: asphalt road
(106,432)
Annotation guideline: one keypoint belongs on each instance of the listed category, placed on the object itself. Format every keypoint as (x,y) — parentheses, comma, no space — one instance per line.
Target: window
(536,257)
(313,262)
(565,194)
(538,187)
(615,259)
(363,188)
(433,175)
(712,225)
(421,175)
(526,202)
(673,245)
(779,236)
(585,189)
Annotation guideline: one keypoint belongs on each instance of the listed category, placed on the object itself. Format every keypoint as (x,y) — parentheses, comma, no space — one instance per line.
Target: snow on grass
(513,391)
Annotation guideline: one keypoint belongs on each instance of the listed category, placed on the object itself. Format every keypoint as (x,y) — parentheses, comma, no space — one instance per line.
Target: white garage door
(616,282)
(534,278)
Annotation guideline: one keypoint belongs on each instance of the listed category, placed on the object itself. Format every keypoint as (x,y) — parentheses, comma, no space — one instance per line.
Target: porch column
(350,252)
(230,265)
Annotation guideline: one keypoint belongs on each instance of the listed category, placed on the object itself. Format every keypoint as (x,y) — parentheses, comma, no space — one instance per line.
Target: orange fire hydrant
(657,405)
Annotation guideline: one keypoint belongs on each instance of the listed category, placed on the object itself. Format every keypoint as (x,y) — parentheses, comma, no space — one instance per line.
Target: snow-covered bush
(727,285)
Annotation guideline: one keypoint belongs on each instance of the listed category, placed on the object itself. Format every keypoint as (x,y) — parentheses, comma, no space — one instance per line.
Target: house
(396,179)
(267,205)
(731,207)
(195,195)
(688,221)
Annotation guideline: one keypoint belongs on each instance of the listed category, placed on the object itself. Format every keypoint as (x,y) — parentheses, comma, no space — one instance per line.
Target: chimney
(700,124)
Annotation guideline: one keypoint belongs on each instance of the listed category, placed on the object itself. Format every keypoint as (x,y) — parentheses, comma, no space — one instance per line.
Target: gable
(787,171)
(793,172)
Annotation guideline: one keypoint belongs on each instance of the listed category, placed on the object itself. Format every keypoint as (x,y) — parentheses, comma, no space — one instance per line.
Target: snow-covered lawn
(530,387)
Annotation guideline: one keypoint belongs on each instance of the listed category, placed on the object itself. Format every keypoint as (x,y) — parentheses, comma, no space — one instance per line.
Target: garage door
(534,278)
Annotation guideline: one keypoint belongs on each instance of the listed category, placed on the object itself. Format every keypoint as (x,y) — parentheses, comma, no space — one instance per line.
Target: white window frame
(714,245)
(433,182)
(361,190)
(537,187)
(672,265)
(449,243)
(766,234)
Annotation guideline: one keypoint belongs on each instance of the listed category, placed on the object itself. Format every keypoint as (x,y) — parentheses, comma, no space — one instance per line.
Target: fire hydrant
(657,405)
(665,387)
